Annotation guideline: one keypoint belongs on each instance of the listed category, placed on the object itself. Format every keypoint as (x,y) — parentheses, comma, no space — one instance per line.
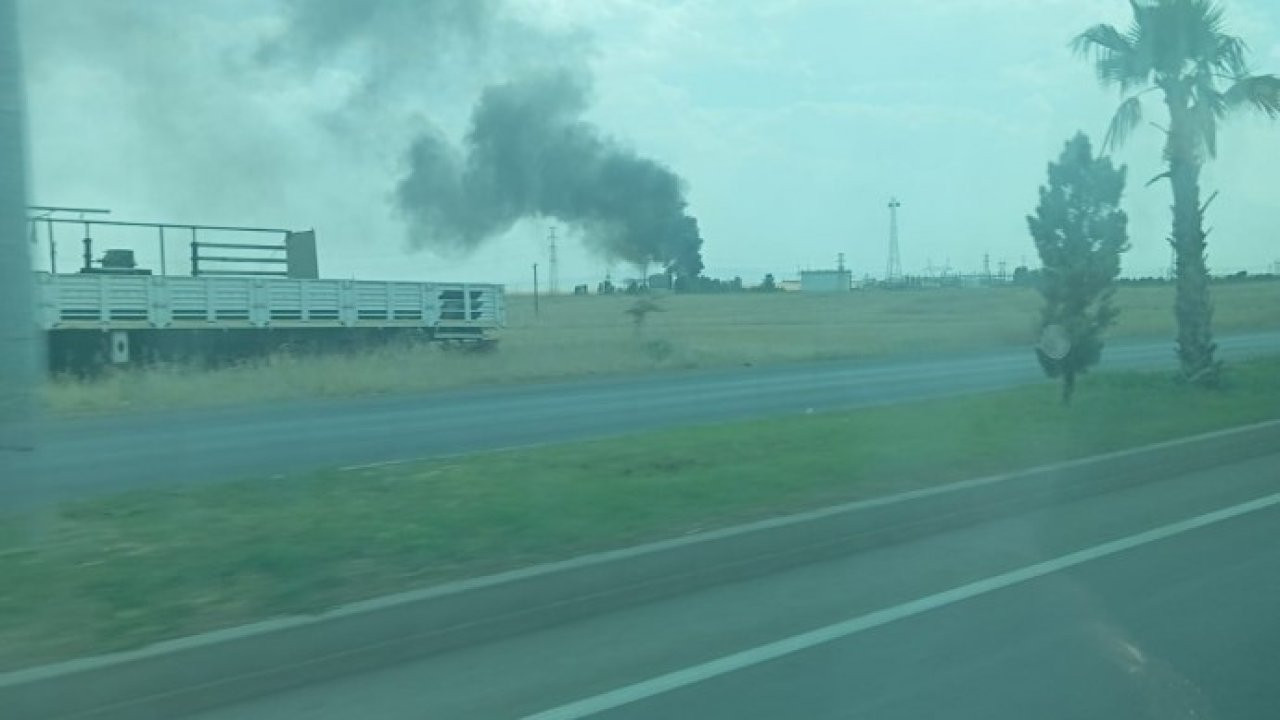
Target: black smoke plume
(386,39)
(234,114)
(528,153)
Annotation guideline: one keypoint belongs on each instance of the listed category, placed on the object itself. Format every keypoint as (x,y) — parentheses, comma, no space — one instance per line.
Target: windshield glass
(638,358)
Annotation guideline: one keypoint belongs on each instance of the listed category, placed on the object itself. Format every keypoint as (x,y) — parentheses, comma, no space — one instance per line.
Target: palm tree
(1180,48)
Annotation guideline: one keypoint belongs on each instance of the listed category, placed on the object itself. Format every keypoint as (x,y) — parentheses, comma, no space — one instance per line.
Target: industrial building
(826,281)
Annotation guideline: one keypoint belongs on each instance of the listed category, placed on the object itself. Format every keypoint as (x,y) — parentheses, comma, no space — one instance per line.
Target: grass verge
(120,572)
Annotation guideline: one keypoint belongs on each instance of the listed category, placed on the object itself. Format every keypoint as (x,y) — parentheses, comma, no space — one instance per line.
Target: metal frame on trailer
(109,302)
(49,218)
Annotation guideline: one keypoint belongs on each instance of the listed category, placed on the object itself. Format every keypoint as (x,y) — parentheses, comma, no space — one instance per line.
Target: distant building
(661,281)
(828,281)
(790,285)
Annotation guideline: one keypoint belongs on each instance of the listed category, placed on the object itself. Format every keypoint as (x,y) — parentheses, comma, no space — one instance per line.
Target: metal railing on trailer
(213,249)
(134,302)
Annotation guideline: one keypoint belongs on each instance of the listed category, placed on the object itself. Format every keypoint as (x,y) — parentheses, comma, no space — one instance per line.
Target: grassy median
(124,571)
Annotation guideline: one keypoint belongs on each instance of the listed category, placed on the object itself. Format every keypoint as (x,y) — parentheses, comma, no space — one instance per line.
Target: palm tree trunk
(1192,305)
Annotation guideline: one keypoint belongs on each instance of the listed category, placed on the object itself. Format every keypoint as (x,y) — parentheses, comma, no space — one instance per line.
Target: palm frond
(1230,56)
(1101,38)
(1122,71)
(1115,59)
(1261,92)
(1206,14)
(1199,26)
(1206,120)
(1142,12)
(1204,91)
(1127,118)
(1178,33)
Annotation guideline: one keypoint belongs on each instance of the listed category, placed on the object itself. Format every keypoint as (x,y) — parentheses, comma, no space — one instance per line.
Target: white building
(828,281)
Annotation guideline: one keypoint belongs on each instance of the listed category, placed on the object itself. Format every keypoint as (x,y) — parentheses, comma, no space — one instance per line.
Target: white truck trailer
(112,312)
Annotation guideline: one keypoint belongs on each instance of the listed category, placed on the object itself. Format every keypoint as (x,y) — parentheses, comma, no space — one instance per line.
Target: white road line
(450,456)
(796,643)
(374,466)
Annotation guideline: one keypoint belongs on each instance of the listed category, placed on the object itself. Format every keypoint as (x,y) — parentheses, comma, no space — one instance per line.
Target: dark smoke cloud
(316,27)
(386,39)
(528,153)
(272,111)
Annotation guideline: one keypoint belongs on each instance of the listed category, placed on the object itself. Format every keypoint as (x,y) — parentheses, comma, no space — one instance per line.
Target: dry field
(588,336)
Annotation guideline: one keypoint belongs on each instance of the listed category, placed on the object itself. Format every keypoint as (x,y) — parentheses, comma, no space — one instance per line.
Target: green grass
(121,572)
(578,337)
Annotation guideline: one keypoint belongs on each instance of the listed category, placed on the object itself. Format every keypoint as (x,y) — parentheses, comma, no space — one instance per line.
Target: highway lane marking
(804,641)
(449,456)
(374,466)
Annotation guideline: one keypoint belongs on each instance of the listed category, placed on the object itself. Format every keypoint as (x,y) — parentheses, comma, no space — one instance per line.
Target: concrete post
(21,346)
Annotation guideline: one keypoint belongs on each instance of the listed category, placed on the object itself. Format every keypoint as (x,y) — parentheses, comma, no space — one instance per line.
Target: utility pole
(986,266)
(20,343)
(535,290)
(893,273)
(553,263)
(840,262)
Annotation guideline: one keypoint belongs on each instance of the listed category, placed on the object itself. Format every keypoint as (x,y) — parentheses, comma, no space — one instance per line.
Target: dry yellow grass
(577,337)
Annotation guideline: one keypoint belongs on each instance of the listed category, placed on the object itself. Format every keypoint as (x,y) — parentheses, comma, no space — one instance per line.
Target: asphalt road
(80,457)
(1156,601)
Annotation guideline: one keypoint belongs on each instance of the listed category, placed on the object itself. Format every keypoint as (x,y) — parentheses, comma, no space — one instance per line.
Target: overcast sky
(792,122)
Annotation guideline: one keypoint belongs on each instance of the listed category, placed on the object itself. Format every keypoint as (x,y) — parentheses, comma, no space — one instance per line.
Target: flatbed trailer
(107,315)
